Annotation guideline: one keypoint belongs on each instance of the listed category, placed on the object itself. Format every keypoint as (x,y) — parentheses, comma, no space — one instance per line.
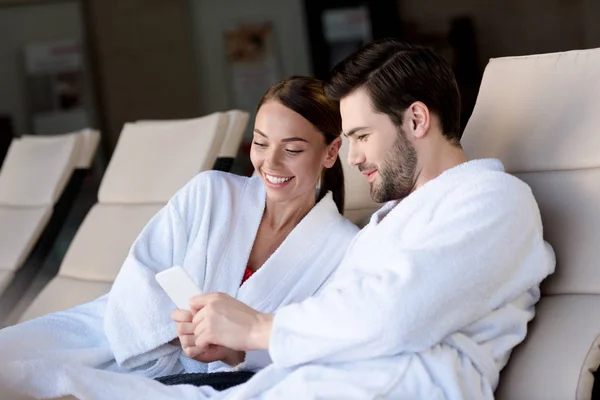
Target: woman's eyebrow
(286,140)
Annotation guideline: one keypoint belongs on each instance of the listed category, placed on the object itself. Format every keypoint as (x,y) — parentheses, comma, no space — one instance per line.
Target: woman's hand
(221,320)
(187,339)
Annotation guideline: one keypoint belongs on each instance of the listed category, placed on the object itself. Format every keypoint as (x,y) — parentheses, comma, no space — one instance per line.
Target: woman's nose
(273,157)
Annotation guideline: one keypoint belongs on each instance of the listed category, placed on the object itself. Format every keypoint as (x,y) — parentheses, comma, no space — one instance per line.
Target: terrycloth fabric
(208,228)
(430,299)
(428,303)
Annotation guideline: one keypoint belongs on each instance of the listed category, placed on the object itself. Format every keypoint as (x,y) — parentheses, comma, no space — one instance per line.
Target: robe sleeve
(137,321)
(479,250)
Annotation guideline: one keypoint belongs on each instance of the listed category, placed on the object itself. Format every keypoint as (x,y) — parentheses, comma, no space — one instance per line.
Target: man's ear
(417,120)
(333,150)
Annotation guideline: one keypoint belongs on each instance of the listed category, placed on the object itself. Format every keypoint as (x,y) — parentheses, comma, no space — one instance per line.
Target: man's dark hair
(395,75)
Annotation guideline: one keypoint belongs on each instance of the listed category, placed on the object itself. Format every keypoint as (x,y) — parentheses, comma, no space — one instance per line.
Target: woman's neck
(281,215)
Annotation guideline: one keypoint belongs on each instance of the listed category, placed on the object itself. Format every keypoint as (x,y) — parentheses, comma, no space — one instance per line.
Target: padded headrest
(235,131)
(90,140)
(37,168)
(152,161)
(231,139)
(538,113)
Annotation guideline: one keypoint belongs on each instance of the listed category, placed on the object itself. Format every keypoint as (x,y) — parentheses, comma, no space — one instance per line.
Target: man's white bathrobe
(209,228)
(428,303)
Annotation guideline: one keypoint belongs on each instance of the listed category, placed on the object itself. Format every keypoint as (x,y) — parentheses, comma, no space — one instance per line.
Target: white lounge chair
(541,116)
(32,180)
(149,164)
(237,121)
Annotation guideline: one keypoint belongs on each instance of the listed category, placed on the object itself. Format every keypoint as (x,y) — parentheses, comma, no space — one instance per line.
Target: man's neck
(440,157)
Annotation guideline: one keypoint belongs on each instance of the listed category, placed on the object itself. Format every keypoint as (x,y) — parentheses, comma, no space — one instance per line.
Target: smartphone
(179,286)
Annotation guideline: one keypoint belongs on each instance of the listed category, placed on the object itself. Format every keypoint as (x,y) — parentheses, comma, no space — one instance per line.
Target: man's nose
(355,156)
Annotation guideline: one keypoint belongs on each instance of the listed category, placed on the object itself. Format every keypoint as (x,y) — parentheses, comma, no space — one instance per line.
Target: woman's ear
(332,152)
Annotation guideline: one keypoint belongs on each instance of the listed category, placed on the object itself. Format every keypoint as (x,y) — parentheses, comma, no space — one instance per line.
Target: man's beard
(397,172)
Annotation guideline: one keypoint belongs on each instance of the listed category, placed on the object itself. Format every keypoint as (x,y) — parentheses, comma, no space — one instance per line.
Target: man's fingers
(198,330)
(185,328)
(202,300)
(198,317)
(197,302)
(187,341)
(181,316)
(201,344)
(192,351)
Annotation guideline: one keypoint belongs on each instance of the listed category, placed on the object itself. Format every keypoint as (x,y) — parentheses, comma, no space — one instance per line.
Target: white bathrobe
(208,227)
(428,303)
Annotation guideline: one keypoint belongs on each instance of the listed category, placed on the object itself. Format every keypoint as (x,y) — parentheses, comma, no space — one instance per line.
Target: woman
(268,241)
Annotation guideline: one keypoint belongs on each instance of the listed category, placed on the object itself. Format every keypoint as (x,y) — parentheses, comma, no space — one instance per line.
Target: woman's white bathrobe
(209,228)
(428,303)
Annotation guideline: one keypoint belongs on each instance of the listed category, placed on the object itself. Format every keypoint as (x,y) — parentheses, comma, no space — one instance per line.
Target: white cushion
(236,125)
(540,116)
(20,228)
(538,113)
(152,161)
(5,279)
(90,140)
(358,193)
(103,240)
(63,293)
(37,168)
(549,363)
(569,202)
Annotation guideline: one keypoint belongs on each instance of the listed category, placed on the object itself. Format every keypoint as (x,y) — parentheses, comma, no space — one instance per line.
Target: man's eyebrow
(353,131)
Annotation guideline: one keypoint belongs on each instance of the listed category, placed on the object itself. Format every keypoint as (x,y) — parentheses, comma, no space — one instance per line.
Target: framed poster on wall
(253,62)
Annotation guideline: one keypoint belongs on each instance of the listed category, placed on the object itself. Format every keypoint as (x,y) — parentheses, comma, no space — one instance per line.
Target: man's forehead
(356,110)
(356,98)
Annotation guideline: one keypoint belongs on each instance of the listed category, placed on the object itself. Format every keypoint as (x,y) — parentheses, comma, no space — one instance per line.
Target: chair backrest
(358,202)
(103,240)
(237,122)
(37,168)
(164,157)
(90,140)
(152,161)
(540,115)
(38,186)
(20,229)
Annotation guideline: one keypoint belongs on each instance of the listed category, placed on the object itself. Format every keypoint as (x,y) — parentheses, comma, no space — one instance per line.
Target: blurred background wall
(156,59)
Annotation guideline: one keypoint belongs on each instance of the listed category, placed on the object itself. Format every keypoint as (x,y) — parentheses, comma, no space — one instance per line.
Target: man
(431,296)
(437,290)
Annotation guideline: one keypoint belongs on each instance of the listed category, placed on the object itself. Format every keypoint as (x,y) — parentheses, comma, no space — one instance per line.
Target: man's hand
(185,332)
(187,339)
(220,353)
(224,321)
